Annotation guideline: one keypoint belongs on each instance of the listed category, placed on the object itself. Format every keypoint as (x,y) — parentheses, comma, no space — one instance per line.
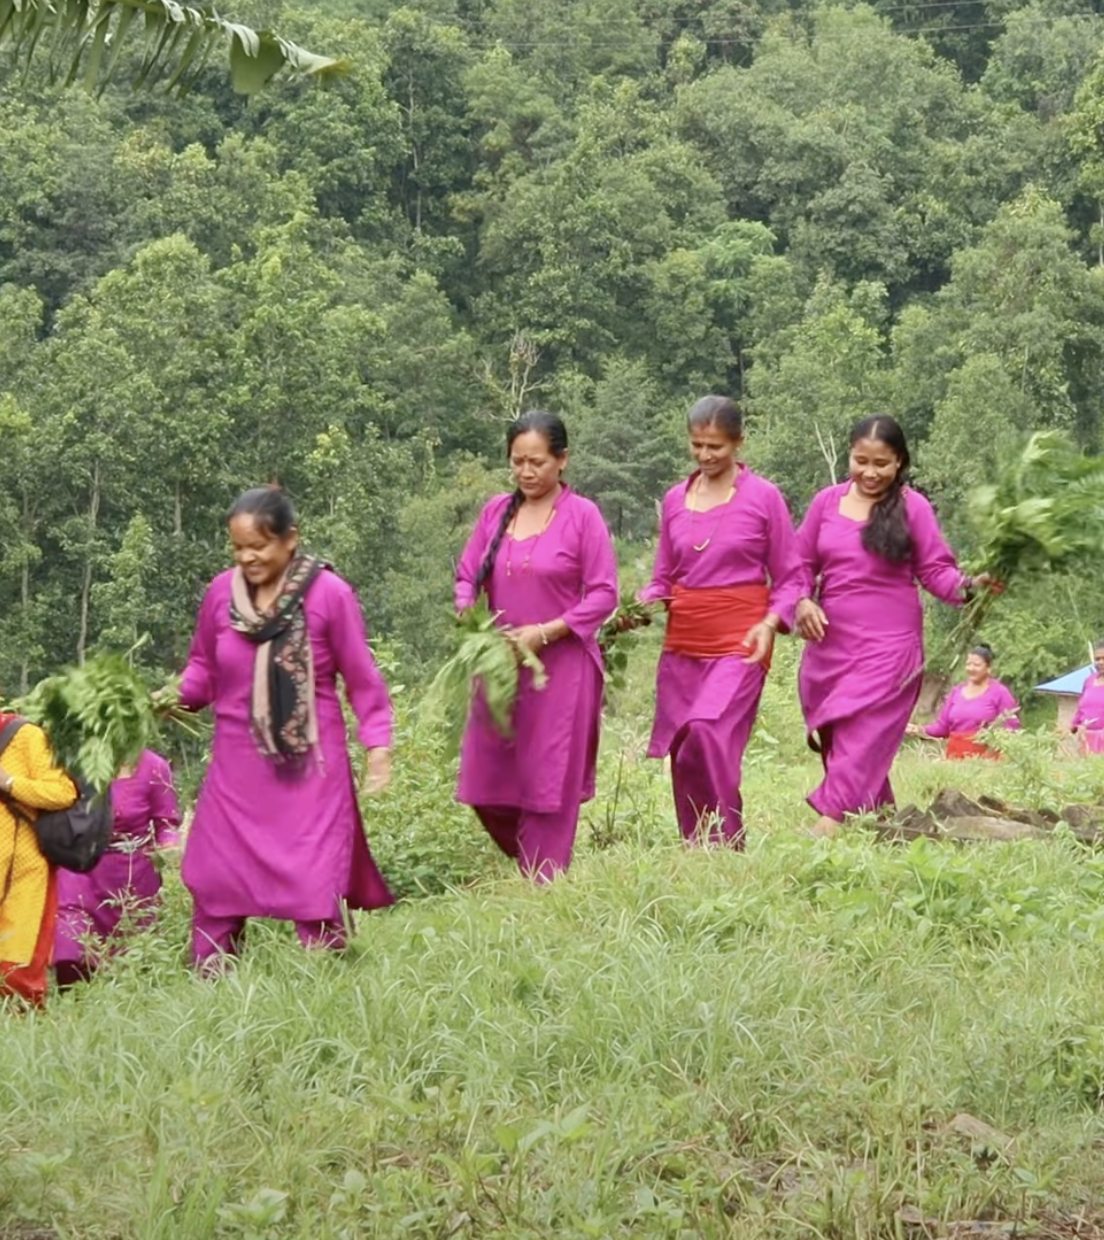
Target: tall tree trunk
(414,158)
(86,583)
(25,598)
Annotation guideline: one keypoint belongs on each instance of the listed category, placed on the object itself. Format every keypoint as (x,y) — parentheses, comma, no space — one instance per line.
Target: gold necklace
(531,541)
(697,489)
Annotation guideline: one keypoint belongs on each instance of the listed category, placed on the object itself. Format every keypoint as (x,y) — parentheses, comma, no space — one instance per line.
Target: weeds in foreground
(815,1038)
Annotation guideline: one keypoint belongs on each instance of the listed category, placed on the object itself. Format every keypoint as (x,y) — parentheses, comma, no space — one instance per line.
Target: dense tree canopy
(606,208)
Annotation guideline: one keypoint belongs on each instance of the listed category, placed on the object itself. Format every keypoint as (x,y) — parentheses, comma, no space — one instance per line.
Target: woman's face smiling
(261,555)
(874,466)
(977,670)
(713,451)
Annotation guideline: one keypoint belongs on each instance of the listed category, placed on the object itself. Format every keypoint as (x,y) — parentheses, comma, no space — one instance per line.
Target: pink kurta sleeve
(364,686)
(808,533)
(474,550)
(933,561)
(198,687)
(785,562)
(660,586)
(1080,715)
(164,806)
(941,725)
(1008,708)
(598,565)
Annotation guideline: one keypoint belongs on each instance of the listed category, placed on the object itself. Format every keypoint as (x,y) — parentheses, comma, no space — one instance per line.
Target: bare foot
(825,826)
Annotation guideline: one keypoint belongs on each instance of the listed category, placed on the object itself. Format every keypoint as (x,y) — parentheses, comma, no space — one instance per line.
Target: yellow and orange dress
(28,895)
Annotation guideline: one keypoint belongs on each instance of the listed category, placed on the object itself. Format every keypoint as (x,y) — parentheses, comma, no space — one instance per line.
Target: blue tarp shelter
(1066,690)
(1071,682)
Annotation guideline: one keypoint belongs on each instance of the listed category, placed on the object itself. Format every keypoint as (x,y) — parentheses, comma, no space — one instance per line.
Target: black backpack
(73,838)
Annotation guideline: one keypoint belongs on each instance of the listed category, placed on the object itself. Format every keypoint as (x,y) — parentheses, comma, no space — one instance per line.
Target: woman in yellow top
(28,892)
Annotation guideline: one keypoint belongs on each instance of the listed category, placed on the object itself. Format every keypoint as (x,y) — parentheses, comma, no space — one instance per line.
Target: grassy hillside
(666,1043)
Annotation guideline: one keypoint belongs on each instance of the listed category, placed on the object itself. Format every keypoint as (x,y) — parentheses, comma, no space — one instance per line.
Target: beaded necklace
(696,489)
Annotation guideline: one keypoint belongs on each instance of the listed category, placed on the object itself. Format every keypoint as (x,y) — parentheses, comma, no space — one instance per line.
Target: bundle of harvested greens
(615,637)
(1044,513)
(98,717)
(485,662)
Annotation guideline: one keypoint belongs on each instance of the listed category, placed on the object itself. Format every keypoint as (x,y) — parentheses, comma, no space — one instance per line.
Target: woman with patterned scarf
(277,830)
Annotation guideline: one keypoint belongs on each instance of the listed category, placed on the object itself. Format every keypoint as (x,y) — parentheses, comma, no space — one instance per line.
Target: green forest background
(602,207)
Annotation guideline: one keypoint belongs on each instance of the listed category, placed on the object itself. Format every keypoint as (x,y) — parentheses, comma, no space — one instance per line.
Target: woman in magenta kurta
(277,830)
(979,702)
(728,569)
(545,558)
(1087,723)
(123,886)
(866,542)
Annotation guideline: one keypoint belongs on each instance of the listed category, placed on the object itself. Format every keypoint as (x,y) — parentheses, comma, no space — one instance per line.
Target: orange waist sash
(963,745)
(713,621)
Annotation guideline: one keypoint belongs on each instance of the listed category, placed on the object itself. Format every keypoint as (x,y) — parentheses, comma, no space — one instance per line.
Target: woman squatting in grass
(728,570)
(865,543)
(277,830)
(544,557)
(979,702)
(121,890)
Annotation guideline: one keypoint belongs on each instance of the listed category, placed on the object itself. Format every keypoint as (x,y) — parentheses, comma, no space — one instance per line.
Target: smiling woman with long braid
(865,544)
(544,557)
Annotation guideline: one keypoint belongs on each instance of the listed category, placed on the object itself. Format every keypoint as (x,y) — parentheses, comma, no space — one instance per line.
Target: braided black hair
(554,433)
(887,532)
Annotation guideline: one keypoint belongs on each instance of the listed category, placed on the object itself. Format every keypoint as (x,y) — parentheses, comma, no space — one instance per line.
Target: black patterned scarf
(285,723)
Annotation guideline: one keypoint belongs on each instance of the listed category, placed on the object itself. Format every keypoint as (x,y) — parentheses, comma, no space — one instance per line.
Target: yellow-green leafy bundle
(98,717)
(1043,513)
(485,661)
(615,637)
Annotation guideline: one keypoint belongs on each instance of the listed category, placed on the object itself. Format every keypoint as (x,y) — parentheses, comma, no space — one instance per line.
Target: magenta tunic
(859,685)
(274,841)
(548,764)
(1090,715)
(966,716)
(751,542)
(124,882)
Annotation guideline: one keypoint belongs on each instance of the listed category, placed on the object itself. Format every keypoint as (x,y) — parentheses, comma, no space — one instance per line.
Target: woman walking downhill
(728,569)
(120,892)
(277,830)
(544,557)
(865,543)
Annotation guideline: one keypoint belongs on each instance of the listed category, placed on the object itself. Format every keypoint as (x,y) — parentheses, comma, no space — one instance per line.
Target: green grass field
(666,1043)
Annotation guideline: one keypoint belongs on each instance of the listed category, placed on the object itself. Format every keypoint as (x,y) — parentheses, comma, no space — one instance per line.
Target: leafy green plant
(1043,513)
(616,636)
(485,662)
(98,717)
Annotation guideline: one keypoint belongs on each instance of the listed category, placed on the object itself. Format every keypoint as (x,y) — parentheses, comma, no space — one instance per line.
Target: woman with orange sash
(979,702)
(728,569)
